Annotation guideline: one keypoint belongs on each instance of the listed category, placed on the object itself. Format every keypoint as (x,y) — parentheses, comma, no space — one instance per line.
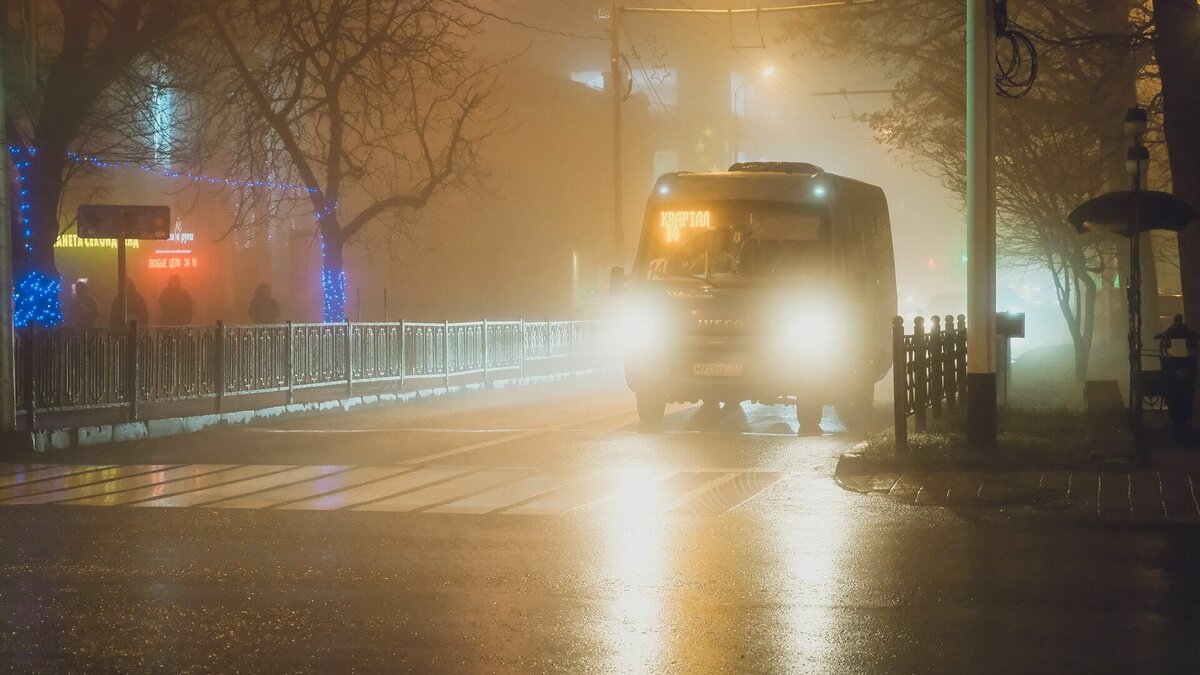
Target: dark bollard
(899,384)
(1177,348)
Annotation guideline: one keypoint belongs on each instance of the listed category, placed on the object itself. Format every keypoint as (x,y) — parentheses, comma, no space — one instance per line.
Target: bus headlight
(644,327)
(810,333)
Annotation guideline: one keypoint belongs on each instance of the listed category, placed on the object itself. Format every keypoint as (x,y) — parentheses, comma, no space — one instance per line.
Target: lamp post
(1137,162)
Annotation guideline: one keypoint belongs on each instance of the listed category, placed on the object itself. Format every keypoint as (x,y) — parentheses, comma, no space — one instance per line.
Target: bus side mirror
(616,281)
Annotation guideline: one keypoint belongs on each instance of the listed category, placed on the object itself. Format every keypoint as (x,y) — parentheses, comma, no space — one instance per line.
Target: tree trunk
(1177,23)
(37,285)
(333,276)
(1087,310)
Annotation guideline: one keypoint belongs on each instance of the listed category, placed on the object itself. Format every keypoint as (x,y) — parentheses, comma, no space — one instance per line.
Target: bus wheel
(809,417)
(651,409)
(856,412)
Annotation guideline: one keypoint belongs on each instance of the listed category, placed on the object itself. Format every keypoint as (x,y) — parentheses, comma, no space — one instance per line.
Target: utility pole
(8,384)
(981,225)
(615,87)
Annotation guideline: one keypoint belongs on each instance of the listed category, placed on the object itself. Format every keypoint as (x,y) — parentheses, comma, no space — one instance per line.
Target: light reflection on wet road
(720,546)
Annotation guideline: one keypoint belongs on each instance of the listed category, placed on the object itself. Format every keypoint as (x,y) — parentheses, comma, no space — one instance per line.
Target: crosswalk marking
(88,477)
(444,491)
(324,484)
(112,486)
(153,490)
(396,488)
(522,490)
(36,472)
(597,488)
(408,480)
(218,492)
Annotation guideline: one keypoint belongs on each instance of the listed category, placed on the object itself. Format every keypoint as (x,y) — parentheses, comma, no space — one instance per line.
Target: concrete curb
(46,440)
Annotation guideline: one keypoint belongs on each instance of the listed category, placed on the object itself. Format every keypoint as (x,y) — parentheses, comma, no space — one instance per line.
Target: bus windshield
(732,237)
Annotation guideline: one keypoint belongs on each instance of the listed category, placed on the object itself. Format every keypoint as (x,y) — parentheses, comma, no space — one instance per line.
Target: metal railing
(65,369)
(929,369)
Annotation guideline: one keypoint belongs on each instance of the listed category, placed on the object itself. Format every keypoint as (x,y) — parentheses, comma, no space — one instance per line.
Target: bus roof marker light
(663,189)
(819,191)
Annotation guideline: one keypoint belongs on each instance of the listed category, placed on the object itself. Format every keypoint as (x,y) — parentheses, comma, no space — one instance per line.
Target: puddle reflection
(633,565)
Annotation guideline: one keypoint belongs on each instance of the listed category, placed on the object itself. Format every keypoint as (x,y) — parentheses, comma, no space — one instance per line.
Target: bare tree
(82,87)
(1057,146)
(1177,52)
(371,107)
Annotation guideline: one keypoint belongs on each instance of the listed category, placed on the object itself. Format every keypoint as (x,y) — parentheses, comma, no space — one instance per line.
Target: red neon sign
(173,262)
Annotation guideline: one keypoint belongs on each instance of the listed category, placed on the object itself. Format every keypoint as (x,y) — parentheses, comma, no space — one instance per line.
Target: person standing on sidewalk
(264,308)
(82,312)
(135,306)
(175,304)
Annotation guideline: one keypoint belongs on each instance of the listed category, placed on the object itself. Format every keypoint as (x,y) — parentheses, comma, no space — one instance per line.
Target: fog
(533,239)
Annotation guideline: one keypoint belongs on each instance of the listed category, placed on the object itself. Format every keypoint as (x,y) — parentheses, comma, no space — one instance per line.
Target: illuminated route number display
(674,223)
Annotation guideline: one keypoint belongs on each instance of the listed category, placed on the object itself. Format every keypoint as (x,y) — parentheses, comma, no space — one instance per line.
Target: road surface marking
(509,494)
(222,474)
(225,490)
(322,485)
(408,480)
(45,472)
(425,459)
(115,486)
(628,492)
(598,487)
(445,491)
(93,475)
(26,469)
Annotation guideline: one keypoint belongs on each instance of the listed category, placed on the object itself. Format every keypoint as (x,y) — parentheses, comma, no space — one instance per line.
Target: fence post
(220,365)
(935,366)
(571,346)
(446,352)
(131,371)
(348,353)
(403,355)
(289,363)
(899,384)
(485,353)
(521,347)
(949,352)
(29,381)
(960,360)
(920,373)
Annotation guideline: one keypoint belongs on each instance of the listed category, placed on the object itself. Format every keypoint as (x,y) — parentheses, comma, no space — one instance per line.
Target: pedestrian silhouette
(135,306)
(263,308)
(82,312)
(174,304)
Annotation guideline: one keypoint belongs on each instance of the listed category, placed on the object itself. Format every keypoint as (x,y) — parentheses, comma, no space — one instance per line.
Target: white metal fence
(64,369)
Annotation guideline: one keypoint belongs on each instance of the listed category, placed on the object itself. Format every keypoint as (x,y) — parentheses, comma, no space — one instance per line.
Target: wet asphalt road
(644,569)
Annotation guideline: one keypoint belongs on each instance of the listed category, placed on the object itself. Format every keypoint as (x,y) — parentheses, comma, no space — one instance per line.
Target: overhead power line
(528,26)
(750,10)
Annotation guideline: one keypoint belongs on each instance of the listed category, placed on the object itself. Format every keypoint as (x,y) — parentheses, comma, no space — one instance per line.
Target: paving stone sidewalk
(1145,495)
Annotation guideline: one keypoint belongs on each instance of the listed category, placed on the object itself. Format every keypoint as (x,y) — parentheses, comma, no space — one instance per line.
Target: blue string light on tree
(36,299)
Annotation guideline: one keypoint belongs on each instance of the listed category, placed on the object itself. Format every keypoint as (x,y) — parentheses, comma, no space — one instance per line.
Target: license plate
(717,369)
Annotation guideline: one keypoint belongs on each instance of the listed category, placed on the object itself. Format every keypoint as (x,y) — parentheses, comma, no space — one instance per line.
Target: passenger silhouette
(135,306)
(263,308)
(82,311)
(174,304)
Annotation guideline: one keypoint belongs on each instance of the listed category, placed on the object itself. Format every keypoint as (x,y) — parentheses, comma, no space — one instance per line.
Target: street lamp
(1137,163)
(767,73)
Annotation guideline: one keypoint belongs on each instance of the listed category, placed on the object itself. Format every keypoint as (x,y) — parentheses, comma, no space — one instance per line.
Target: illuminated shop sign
(75,241)
(674,222)
(175,258)
(173,262)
